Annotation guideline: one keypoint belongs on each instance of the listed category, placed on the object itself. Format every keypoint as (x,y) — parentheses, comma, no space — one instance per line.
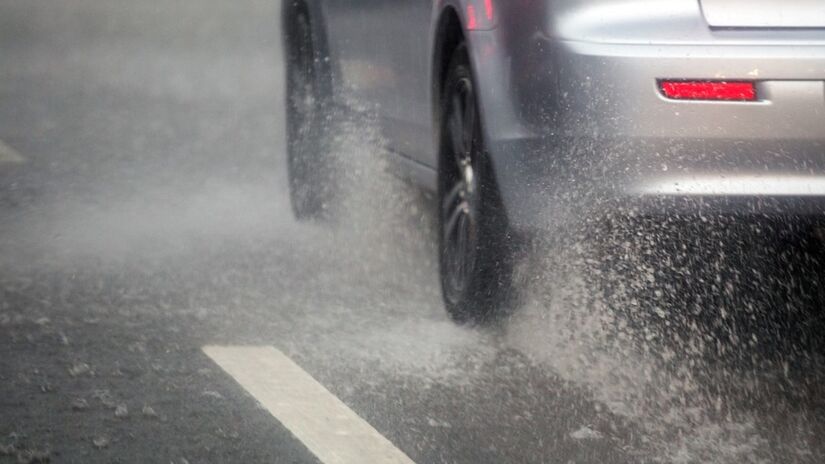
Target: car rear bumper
(589,128)
(547,181)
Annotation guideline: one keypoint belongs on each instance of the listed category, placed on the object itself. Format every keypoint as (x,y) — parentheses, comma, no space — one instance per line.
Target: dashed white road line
(326,426)
(9,154)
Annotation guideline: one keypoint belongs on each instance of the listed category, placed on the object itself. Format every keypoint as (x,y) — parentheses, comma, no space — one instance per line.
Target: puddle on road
(686,402)
(696,387)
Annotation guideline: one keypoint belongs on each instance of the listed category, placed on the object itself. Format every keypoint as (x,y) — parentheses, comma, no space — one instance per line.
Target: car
(523,114)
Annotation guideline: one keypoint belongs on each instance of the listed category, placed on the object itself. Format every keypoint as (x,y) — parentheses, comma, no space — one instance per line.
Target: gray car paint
(571,109)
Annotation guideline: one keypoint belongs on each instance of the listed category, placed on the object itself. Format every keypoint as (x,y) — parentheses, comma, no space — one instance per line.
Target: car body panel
(382,49)
(571,109)
(764,13)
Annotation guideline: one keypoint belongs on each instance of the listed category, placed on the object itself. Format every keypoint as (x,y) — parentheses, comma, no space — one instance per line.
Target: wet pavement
(144,216)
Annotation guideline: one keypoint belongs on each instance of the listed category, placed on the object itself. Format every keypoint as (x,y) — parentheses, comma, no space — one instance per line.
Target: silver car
(519,113)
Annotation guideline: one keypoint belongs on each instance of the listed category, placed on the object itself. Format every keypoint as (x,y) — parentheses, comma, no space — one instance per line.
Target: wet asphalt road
(149,219)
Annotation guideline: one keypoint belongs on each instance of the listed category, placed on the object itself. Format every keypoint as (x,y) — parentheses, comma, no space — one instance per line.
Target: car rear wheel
(474,264)
(308,106)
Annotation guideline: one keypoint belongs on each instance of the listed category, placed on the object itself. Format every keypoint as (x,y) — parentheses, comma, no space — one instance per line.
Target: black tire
(474,261)
(308,112)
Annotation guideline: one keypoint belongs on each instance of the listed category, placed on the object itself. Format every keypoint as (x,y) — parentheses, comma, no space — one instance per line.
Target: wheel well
(449,34)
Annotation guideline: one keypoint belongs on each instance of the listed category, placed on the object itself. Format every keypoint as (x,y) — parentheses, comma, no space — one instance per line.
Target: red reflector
(709,90)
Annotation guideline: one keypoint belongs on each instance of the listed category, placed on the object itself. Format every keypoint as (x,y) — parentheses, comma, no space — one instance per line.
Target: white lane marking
(9,154)
(326,426)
